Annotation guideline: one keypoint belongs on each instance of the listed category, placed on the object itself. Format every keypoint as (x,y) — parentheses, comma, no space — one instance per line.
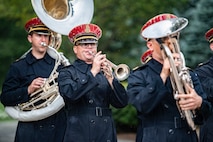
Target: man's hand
(98,60)
(36,84)
(190,101)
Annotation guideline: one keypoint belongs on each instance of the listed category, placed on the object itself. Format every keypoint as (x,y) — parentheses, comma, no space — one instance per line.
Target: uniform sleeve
(118,97)
(13,91)
(206,107)
(205,75)
(73,85)
(145,90)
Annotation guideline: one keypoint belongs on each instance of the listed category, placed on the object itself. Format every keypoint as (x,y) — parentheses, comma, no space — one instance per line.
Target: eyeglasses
(87,44)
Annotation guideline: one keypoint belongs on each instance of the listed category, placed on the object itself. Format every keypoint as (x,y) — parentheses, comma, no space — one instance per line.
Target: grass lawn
(3,114)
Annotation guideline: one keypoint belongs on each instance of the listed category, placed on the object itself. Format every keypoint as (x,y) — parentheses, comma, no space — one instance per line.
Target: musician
(205,74)
(24,77)
(89,89)
(151,93)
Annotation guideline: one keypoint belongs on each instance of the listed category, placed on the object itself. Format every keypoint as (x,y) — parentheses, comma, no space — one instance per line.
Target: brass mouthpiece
(43,44)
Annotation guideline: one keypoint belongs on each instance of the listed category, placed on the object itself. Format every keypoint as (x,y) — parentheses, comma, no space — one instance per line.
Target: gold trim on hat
(85,37)
(38,28)
(211,39)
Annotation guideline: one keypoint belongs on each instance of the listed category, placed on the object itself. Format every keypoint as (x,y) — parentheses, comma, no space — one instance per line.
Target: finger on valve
(107,70)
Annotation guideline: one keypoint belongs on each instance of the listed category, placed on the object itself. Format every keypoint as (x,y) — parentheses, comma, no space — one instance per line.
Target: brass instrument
(45,101)
(60,16)
(121,71)
(180,77)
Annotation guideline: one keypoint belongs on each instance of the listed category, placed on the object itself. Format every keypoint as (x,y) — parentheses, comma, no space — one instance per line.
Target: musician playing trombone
(151,92)
(25,76)
(205,74)
(89,89)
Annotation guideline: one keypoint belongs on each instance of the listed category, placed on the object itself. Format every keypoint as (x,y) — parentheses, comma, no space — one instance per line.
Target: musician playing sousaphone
(27,75)
(151,91)
(89,89)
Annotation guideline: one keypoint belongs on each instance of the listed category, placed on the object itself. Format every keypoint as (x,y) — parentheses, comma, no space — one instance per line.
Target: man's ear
(149,45)
(29,38)
(75,49)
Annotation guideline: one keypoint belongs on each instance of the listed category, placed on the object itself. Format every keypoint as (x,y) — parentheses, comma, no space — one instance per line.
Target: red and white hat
(209,35)
(36,25)
(85,33)
(156,19)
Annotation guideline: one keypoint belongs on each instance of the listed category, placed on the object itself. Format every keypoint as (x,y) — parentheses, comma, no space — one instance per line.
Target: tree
(121,22)
(193,43)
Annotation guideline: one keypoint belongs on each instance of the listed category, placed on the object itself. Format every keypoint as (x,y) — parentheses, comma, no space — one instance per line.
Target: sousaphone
(63,15)
(60,16)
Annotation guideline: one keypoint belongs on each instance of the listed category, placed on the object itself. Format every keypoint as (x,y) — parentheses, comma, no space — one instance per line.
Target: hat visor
(87,41)
(42,33)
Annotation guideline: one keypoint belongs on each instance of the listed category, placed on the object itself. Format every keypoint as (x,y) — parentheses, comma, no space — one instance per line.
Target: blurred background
(121,22)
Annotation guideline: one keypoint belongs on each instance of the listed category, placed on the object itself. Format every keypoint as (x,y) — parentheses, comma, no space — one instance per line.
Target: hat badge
(87,29)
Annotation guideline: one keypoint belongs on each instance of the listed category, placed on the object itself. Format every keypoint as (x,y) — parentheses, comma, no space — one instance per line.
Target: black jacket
(88,100)
(14,91)
(205,74)
(157,108)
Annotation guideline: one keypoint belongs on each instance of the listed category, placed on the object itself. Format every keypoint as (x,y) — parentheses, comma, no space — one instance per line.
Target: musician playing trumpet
(89,89)
(151,92)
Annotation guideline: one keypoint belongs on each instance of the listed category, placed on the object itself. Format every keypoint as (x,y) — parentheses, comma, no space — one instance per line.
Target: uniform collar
(31,59)
(155,65)
(82,66)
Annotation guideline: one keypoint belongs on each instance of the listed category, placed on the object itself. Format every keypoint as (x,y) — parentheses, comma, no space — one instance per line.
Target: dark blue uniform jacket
(88,100)
(156,106)
(14,91)
(205,74)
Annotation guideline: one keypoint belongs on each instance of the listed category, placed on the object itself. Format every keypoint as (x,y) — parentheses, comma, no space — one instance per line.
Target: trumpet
(121,71)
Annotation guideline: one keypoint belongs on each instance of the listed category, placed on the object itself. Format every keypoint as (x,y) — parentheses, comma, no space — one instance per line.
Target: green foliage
(193,42)
(11,43)
(125,118)
(121,22)
(3,115)
(13,9)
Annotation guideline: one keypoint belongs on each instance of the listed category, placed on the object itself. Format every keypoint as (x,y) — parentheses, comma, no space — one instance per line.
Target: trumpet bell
(165,28)
(122,72)
(62,15)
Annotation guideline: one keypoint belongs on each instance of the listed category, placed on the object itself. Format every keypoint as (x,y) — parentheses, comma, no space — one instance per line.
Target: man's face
(211,46)
(36,40)
(171,42)
(153,45)
(85,51)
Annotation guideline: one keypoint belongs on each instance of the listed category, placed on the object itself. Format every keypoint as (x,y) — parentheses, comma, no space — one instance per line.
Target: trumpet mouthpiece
(43,44)
(90,52)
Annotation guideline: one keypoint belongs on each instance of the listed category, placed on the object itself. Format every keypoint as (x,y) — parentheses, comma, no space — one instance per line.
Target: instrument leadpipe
(121,71)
